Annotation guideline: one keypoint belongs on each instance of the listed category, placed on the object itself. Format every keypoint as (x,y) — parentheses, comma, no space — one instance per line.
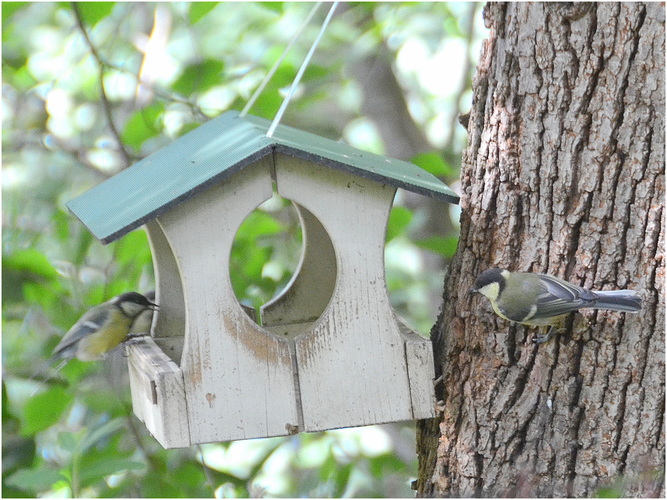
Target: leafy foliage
(167,68)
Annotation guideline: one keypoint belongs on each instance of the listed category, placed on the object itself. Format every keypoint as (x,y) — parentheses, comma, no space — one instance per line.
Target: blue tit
(543,300)
(102,328)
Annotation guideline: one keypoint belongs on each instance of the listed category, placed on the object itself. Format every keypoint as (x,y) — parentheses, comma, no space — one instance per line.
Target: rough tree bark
(564,174)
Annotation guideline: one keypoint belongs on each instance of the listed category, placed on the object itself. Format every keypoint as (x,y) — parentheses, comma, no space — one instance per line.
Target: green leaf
(9,8)
(199,77)
(17,451)
(44,410)
(61,222)
(267,104)
(189,476)
(272,6)
(100,433)
(93,471)
(200,9)
(270,99)
(316,72)
(399,219)
(28,275)
(32,261)
(93,12)
(21,77)
(328,467)
(47,295)
(7,414)
(257,224)
(434,164)
(143,125)
(84,241)
(67,441)
(133,248)
(188,127)
(341,479)
(383,464)
(35,480)
(444,246)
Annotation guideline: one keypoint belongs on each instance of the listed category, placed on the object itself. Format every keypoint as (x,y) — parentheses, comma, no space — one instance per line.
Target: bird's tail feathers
(619,300)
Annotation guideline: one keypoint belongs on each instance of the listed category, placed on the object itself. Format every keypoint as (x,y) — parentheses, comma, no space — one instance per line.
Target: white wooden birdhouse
(329,352)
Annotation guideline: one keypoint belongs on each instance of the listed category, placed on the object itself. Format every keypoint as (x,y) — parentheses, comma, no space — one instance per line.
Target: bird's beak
(472,291)
(153,307)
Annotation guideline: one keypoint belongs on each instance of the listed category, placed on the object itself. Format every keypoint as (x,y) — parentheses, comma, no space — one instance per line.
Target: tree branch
(465,82)
(103,96)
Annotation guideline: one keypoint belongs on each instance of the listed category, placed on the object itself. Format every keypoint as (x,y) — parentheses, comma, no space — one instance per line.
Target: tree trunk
(564,174)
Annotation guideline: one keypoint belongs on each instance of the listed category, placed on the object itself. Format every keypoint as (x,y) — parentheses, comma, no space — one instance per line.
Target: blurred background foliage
(90,88)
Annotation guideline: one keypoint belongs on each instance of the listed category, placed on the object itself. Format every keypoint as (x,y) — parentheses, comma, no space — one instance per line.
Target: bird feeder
(328,352)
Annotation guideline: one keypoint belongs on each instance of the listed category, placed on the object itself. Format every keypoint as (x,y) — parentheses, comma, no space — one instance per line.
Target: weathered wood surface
(352,362)
(158,394)
(239,378)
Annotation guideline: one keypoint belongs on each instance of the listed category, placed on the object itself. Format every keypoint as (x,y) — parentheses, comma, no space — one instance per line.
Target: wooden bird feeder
(330,351)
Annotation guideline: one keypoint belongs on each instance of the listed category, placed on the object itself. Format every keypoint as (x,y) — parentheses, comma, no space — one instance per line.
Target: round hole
(268,248)
(281,286)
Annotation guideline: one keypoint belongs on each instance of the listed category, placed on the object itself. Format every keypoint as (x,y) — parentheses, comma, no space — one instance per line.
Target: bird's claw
(542,338)
(135,339)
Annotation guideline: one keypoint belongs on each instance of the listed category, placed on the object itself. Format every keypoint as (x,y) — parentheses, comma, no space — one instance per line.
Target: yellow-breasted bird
(102,328)
(543,300)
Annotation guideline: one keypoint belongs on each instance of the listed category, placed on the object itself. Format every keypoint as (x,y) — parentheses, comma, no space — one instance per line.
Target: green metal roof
(216,150)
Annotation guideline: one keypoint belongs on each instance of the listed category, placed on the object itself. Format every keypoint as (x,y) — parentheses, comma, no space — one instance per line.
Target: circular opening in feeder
(268,248)
(279,286)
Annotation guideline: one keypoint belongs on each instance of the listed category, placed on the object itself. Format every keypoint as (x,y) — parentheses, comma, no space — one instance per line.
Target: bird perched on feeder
(142,324)
(543,300)
(103,328)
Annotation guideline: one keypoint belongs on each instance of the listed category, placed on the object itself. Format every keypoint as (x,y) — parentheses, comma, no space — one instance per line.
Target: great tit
(142,324)
(102,328)
(543,300)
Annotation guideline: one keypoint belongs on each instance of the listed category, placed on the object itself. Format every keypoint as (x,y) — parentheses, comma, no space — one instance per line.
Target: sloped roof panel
(344,157)
(213,152)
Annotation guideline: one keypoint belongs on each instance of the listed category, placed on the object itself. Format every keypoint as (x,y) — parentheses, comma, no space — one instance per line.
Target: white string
(269,75)
(302,69)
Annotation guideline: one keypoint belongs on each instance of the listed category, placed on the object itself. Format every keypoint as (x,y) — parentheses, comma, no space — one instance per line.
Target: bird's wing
(87,324)
(559,297)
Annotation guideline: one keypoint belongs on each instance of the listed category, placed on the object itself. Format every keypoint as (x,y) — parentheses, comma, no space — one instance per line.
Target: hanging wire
(302,69)
(269,75)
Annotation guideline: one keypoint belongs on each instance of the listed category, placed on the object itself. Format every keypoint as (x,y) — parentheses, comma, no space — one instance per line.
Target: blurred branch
(162,93)
(103,96)
(206,469)
(153,464)
(80,155)
(465,83)
(384,103)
